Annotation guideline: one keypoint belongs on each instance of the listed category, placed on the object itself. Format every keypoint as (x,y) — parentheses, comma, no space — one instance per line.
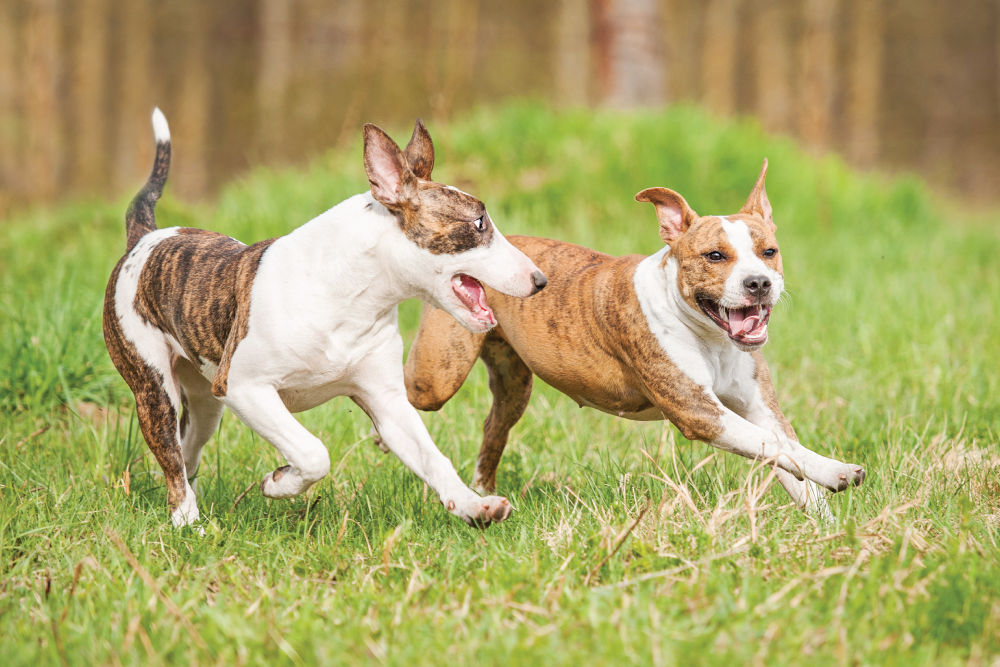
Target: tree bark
(864,81)
(630,66)
(718,60)
(133,144)
(817,57)
(90,93)
(42,155)
(772,57)
(571,56)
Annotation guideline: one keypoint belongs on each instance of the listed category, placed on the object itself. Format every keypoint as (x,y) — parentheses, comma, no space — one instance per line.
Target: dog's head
(463,246)
(728,267)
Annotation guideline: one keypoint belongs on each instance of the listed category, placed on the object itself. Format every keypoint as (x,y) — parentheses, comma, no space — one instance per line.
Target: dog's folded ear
(672,211)
(393,183)
(757,202)
(420,152)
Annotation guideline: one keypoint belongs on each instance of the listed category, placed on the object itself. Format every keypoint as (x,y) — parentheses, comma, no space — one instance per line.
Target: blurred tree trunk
(90,93)
(630,64)
(194,103)
(10,119)
(133,145)
(864,81)
(572,56)
(718,59)
(942,111)
(772,56)
(42,155)
(459,54)
(274,68)
(817,60)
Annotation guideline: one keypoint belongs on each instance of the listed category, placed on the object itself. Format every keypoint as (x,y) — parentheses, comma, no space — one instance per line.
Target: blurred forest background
(897,84)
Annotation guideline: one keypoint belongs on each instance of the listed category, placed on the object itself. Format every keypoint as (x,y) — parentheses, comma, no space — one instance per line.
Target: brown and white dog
(199,321)
(674,335)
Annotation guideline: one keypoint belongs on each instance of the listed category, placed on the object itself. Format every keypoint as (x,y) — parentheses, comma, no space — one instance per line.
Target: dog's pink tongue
(476,291)
(741,322)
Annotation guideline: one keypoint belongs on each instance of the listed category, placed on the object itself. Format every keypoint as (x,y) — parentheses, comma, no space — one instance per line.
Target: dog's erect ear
(420,152)
(757,202)
(672,211)
(393,184)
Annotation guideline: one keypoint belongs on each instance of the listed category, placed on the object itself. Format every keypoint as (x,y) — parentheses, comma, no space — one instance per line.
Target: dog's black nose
(757,285)
(539,280)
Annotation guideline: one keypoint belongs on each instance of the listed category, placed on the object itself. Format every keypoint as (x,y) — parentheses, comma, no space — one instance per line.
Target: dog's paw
(271,487)
(481,512)
(186,512)
(844,476)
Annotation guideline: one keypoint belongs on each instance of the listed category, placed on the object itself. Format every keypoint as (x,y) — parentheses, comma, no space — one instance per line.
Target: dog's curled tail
(140,219)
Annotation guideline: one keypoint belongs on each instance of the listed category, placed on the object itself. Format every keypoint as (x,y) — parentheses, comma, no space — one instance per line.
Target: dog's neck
(665,310)
(358,247)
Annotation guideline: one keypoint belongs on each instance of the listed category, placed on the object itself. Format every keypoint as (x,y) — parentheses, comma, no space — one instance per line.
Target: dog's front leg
(403,432)
(757,402)
(747,439)
(261,408)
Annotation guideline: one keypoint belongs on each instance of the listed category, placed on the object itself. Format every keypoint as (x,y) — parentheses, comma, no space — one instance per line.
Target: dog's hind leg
(510,384)
(202,412)
(149,374)
(440,359)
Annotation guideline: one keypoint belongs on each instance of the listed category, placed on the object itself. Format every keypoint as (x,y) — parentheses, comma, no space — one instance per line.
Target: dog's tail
(140,219)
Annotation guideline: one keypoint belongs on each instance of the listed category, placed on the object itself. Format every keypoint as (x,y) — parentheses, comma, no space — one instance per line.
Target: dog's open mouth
(746,326)
(472,295)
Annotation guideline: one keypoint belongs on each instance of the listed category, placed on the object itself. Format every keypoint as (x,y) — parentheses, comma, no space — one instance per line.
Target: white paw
(276,483)
(839,477)
(186,511)
(481,512)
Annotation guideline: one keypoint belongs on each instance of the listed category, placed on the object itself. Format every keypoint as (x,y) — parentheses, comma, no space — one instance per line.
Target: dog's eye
(770,252)
(480,224)
(714,256)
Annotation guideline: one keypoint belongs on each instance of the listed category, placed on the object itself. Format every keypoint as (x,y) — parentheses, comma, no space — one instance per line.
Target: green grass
(884,353)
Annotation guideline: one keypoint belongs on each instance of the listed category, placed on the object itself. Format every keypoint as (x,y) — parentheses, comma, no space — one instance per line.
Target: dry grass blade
(619,541)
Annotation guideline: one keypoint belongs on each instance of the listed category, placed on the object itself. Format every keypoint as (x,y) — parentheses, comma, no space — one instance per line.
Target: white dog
(197,320)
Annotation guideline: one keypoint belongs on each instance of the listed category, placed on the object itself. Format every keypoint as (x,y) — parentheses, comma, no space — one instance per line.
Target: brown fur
(569,335)
(581,336)
(435,217)
(699,278)
(196,287)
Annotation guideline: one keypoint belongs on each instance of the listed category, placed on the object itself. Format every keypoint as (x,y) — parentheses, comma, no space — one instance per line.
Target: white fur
(323,323)
(703,353)
(748,263)
(160,128)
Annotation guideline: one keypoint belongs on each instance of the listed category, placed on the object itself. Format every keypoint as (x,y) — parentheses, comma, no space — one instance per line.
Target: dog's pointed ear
(757,202)
(420,151)
(393,184)
(672,211)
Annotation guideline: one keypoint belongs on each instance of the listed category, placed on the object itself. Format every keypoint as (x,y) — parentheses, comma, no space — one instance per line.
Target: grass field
(629,544)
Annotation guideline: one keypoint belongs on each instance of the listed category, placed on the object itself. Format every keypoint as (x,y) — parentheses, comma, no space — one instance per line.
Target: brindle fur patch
(580,351)
(435,217)
(196,287)
(156,414)
(443,221)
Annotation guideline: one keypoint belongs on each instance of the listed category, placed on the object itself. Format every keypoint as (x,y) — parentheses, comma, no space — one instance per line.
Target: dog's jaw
(745,325)
(472,296)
